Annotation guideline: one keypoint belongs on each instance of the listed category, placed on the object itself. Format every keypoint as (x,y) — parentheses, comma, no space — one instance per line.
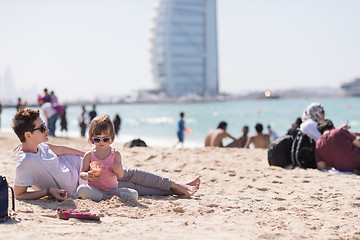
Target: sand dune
(240,197)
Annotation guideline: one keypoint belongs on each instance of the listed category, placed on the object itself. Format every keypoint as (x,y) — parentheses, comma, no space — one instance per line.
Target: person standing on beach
(83,121)
(103,185)
(51,117)
(53,97)
(53,170)
(117,123)
(181,130)
(63,121)
(92,113)
(259,139)
(46,97)
(19,104)
(215,136)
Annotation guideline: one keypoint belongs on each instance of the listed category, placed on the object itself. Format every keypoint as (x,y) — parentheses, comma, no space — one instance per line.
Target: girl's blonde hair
(100,125)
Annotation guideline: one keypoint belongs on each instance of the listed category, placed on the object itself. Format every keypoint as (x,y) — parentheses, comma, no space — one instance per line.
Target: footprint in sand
(213,205)
(232,173)
(179,210)
(355,204)
(151,157)
(277,182)
(279,199)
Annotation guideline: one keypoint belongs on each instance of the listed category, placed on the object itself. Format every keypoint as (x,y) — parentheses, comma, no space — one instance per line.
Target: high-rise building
(184,47)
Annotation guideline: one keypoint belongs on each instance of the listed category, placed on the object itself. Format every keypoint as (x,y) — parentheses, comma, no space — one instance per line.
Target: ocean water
(156,123)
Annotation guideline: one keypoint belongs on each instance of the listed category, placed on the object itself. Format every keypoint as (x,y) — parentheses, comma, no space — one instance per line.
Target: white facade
(184,47)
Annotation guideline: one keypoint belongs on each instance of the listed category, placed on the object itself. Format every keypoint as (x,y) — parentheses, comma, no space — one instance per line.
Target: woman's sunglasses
(42,128)
(98,139)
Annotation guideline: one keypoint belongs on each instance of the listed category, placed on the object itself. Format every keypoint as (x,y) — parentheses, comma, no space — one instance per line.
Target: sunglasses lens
(43,128)
(98,139)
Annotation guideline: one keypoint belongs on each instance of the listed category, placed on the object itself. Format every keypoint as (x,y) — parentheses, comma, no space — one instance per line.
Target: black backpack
(302,151)
(135,143)
(4,199)
(279,151)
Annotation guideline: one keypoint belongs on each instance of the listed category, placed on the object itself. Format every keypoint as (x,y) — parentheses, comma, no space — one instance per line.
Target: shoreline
(302,93)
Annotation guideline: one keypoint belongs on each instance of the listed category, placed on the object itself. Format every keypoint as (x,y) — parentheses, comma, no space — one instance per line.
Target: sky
(87,48)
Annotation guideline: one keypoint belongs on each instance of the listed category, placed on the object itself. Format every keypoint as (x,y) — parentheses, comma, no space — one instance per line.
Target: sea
(157,123)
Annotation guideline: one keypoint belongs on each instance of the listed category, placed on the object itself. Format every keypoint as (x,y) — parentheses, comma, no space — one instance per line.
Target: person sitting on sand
(215,136)
(295,127)
(259,139)
(241,140)
(313,113)
(337,148)
(104,184)
(273,135)
(55,170)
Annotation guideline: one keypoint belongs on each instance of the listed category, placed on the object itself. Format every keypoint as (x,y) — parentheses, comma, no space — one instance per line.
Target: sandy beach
(240,197)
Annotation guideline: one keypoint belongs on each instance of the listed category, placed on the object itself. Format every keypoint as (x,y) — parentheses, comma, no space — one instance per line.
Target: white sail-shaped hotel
(184,47)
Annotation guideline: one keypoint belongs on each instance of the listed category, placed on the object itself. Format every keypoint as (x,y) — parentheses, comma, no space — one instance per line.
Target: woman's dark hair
(324,125)
(23,121)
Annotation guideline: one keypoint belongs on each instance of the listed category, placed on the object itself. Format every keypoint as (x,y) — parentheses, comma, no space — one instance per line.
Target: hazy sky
(83,48)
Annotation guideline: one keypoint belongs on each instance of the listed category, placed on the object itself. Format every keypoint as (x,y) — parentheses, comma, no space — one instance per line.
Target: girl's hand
(91,177)
(117,169)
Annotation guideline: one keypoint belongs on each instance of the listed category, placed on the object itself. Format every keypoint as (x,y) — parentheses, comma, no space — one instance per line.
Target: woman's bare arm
(62,150)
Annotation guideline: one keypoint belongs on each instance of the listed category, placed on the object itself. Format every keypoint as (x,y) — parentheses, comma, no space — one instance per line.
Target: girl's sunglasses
(98,139)
(42,128)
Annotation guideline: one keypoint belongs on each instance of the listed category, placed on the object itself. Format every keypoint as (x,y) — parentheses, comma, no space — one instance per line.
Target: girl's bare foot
(188,189)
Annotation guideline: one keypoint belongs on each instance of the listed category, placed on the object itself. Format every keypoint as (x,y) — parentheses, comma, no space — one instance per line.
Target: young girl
(104,185)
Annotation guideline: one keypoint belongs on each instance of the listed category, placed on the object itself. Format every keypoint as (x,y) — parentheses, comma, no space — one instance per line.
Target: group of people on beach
(53,111)
(85,119)
(63,172)
(335,148)
(215,136)
(259,140)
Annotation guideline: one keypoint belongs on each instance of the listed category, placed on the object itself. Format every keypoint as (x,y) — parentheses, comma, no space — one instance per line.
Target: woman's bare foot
(188,189)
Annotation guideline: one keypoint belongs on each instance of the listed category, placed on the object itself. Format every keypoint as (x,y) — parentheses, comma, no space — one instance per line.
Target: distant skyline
(87,48)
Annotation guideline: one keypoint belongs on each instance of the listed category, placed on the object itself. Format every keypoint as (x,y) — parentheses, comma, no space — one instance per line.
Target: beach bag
(135,143)
(302,151)
(4,199)
(279,151)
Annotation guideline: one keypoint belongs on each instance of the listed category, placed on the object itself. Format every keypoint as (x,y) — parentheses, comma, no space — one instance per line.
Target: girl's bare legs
(188,189)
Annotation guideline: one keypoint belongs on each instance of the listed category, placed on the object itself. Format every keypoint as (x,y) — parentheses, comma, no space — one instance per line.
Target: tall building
(184,47)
